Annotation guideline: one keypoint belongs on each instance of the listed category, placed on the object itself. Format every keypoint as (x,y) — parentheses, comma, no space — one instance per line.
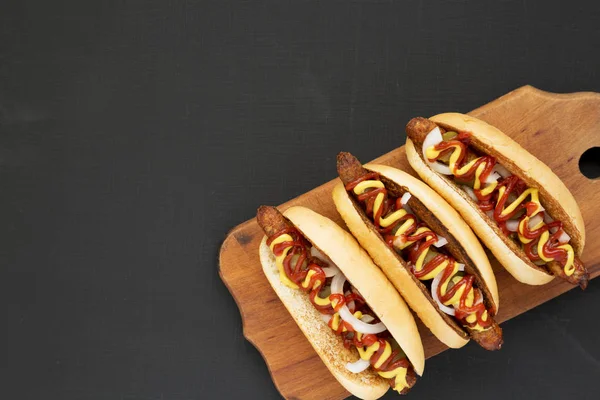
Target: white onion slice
(326,318)
(564,238)
(317,254)
(503,172)
(537,218)
(434,289)
(434,137)
(548,219)
(350,303)
(337,284)
(512,225)
(331,269)
(440,168)
(358,325)
(358,366)
(314,252)
(405,197)
(493,177)
(470,192)
(367,318)
(442,241)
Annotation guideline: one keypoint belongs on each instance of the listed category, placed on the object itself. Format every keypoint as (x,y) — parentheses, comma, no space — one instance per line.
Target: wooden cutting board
(557,128)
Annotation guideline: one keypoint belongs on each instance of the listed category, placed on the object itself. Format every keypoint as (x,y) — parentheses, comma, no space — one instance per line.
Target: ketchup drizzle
(355,302)
(513,185)
(422,241)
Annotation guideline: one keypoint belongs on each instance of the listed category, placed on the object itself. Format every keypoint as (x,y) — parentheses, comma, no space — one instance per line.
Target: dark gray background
(134,135)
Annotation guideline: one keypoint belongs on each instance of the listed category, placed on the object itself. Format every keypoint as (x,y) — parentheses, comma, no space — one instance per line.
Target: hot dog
(424,247)
(516,205)
(347,309)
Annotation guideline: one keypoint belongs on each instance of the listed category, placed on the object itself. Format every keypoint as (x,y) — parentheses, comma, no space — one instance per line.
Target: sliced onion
(434,137)
(564,238)
(337,284)
(326,318)
(439,168)
(434,289)
(358,325)
(367,318)
(537,218)
(350,303)
(442,241)
(331,269)
(404,201)
(358,366)
(548,219)
(493,177)
(470,192)
(314,252)
(503,172)
(317,254)
(405,197)
(512,225)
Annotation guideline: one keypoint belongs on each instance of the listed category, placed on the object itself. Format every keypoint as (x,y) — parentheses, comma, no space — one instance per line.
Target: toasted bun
(343,250)
(519,162)
(360,271)
(387,259)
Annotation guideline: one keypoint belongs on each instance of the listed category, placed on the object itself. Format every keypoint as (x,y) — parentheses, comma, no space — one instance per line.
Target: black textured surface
(134,135)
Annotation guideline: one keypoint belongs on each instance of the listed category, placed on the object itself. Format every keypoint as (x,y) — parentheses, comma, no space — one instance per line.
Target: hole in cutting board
(589,163)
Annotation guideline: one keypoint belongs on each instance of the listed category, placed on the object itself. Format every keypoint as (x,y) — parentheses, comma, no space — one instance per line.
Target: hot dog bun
(360,271)
(554,195)
(413,291)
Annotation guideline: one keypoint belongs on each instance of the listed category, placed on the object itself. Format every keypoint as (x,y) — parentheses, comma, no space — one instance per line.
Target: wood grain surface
(557,129)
